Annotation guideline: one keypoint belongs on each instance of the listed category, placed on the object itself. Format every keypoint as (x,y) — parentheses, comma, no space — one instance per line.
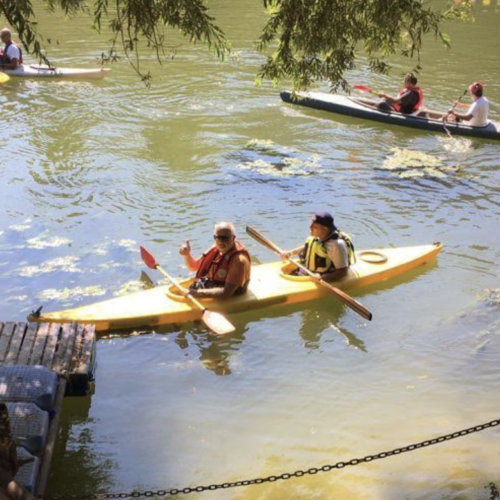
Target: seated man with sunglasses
(224,270)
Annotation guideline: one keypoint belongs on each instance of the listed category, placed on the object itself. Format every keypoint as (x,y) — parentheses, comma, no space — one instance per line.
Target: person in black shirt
(408,100)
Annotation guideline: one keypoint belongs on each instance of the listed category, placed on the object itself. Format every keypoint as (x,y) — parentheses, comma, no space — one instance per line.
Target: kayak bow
(41,71)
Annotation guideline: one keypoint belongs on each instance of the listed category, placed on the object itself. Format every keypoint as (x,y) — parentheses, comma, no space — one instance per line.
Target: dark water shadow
(76,460)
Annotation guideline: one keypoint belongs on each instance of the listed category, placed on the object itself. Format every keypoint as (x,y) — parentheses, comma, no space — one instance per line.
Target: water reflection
(315,324)
(90,469)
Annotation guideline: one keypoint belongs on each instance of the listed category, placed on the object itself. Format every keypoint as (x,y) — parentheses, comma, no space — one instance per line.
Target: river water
(91,170)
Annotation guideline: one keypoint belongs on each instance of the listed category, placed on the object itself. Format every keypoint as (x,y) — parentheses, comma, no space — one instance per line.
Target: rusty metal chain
(286,475)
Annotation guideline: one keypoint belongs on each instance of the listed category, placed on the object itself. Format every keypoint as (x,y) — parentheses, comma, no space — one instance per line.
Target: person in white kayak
(477,114)
(11,56)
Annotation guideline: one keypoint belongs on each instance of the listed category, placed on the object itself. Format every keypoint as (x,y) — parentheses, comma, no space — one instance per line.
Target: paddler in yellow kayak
(224,270)
(327,252)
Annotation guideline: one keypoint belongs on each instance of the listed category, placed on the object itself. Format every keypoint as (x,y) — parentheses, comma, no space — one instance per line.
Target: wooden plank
(87,350)
(50,347)
(62,358)
(7,332)
(79,379)
(43,474)
(29,340)
(39,345)
(77,348)
(16,343)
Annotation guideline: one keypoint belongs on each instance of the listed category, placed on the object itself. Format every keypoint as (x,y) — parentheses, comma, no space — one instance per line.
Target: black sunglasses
(221,237)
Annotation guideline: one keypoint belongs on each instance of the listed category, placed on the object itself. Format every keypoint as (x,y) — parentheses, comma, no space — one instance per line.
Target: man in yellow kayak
(11,56)
(328,252)
(224,270)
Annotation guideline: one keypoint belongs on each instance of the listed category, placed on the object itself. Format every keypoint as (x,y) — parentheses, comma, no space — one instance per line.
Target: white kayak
(41,71)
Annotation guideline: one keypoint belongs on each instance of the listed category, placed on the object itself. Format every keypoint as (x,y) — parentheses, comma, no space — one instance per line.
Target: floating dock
(39,365)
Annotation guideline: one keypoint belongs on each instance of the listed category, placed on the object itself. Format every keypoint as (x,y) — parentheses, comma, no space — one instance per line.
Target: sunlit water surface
(91,170)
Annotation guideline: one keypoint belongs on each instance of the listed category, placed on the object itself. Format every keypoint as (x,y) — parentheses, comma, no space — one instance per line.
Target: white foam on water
(64,264)
(40,242)
(20,227)
(70,293)
(130,245)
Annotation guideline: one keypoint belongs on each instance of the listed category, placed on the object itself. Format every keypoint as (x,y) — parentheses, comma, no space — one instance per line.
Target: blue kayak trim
(349,106)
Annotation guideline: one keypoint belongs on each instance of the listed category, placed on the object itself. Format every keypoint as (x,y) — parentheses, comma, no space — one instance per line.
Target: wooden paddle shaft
(344,297)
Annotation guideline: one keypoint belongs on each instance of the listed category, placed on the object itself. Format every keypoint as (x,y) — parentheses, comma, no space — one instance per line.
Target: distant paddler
(408,100)
(11,56)
(224,270)
(327,252)
(477,114)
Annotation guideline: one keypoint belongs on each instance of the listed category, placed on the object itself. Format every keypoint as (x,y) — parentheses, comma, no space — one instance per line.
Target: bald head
(6,36)
(227,226)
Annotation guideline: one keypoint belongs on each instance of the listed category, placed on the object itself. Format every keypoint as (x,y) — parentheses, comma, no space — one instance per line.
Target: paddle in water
(214,321)
(445,118)
(346,299)
(4,77)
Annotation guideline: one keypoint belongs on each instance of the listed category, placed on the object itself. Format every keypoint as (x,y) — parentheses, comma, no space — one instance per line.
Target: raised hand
(185,249)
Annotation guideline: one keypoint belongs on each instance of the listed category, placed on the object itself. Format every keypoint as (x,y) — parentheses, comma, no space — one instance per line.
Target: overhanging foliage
(310,40)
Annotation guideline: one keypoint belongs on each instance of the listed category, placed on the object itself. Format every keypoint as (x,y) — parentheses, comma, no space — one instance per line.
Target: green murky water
(90,170)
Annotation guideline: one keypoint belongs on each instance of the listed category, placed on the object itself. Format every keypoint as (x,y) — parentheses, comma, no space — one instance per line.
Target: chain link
(286,475)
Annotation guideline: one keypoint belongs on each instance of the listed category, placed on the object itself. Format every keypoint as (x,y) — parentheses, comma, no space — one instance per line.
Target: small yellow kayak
(271,285)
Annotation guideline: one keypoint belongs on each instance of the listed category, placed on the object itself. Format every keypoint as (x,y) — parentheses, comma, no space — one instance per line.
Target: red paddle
(215,321)
(363,88)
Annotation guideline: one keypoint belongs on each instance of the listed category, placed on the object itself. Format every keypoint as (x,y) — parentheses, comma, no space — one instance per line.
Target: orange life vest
(216,266)
(418,90)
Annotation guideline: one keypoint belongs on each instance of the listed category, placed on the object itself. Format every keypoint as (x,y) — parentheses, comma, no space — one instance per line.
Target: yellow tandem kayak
(270,285)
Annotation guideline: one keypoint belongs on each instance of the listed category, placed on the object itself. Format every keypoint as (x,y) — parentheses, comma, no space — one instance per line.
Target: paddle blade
(362,88)
(148,259)
(4,77)
(217,323)
(262,239)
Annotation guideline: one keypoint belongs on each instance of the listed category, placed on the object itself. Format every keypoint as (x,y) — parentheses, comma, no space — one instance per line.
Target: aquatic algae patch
(66,264)
(70,293)
(41,242)
(407,163)
(266,158)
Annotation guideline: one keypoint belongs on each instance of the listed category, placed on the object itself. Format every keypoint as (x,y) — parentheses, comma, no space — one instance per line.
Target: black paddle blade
(148,259)
(146,281)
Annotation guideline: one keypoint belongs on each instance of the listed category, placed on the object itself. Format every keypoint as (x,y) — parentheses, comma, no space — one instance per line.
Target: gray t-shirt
(338,253)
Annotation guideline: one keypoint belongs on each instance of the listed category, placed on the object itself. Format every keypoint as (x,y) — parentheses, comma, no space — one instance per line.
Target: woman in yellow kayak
(328,252)
(224,270)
